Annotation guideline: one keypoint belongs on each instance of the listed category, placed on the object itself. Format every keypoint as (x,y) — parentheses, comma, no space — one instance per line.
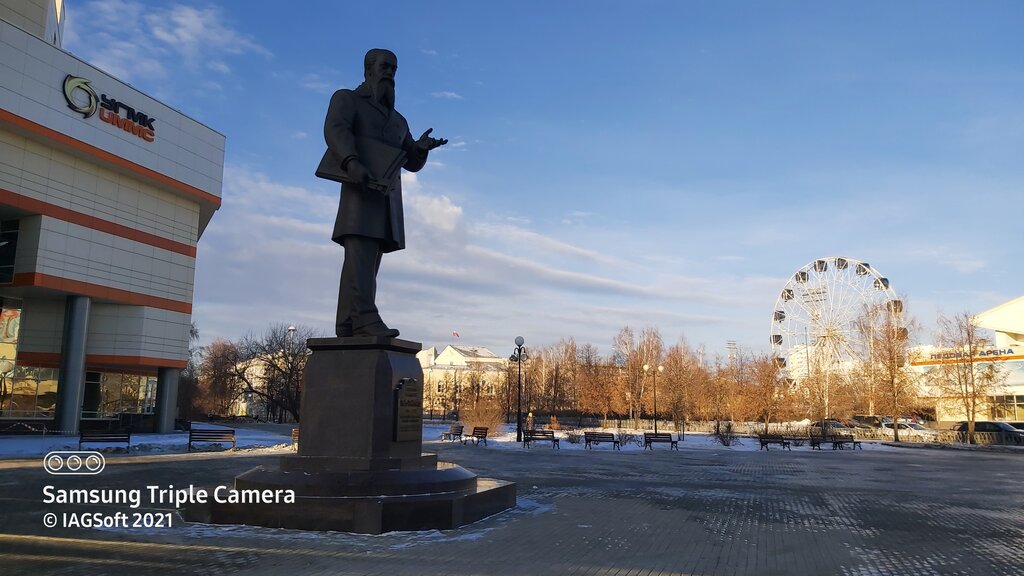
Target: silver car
(1006,432)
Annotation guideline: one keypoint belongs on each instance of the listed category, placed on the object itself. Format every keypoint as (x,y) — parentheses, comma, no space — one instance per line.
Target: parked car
(829,426)
(1008,432)
(1017,425)
(911,430)
(868,420)
(855,425)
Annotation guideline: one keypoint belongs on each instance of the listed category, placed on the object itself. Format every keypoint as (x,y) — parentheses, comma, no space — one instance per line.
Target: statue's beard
(384,92)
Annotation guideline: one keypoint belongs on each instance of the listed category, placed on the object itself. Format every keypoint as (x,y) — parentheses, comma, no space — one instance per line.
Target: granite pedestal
(360,465)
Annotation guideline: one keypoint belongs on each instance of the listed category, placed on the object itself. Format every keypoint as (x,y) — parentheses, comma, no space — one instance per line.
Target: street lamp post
(518,355)
(654,375)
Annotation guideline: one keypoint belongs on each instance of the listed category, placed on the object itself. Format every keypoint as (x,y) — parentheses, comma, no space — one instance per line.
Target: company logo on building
(81,98)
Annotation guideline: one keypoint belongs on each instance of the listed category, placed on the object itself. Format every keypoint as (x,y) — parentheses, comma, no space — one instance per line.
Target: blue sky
(666,164)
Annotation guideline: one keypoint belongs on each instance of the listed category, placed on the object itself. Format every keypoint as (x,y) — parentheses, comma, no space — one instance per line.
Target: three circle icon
(74,463)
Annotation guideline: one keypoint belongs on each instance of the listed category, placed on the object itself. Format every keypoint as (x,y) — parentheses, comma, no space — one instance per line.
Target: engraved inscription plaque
(408,410)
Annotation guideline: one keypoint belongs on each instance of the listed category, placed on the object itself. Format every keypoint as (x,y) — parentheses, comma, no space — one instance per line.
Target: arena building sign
(984,355)
(82,98)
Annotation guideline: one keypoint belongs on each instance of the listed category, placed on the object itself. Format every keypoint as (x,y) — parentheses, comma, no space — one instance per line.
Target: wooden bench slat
(590,438)
(650,438)
(454,433)
(531,436)
(479,434)
(104,438)
(211,435)
(766,439)
(839,440)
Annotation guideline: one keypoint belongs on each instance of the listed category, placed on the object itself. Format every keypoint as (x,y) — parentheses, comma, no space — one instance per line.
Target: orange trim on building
(25,124)
(52,360)
(97,291)
(52,210)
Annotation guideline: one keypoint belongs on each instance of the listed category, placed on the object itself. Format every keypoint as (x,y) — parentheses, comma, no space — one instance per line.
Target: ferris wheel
(815,322)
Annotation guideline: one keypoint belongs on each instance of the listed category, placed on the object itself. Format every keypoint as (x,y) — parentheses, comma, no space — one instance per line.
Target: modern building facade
(104,193)
(1005,350)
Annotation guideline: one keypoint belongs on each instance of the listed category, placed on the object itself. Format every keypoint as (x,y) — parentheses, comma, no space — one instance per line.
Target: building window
(1009,408)
(28,393)
(8,248)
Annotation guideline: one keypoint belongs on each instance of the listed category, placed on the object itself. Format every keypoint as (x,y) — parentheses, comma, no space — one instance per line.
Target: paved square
(707,512)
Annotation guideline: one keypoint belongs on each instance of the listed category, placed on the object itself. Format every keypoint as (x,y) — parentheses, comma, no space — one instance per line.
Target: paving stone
(849,513)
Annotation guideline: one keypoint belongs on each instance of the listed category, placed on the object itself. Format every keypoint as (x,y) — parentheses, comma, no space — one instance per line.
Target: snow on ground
(256,438)
(506,440)
(22,446)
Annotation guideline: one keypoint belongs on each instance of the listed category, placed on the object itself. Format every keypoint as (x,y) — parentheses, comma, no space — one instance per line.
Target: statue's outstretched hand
(426,143)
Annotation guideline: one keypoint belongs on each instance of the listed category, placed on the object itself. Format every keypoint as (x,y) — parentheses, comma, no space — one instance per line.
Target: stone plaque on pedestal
(409,410)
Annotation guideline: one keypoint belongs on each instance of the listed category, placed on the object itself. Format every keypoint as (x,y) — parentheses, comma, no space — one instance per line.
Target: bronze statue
(368,142)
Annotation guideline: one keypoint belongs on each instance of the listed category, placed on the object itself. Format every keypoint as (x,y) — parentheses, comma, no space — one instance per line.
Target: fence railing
(753,428)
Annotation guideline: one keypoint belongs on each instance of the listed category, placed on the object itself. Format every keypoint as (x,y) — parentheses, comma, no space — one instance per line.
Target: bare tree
(683,373)
(767,391)
(963,377)
(218,385)
(594,391)
(188,383)
(630,355)
(889,338)
(271,366)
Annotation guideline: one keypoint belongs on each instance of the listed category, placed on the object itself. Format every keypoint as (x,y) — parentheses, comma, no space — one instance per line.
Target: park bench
(479,433)
(531,436)
(453,434)
(815,441)
(591,438)
(104,438)
(841,440)
(211,435)
(766,439)
(651,438)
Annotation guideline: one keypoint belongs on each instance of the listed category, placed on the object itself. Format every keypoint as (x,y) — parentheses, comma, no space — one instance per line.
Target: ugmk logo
(73,83)
(134,122)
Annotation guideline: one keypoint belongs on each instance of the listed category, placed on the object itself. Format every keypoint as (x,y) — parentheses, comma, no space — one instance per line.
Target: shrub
(486,413)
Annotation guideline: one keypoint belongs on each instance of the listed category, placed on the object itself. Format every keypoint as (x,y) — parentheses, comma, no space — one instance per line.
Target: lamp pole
(518,355)
(654,375)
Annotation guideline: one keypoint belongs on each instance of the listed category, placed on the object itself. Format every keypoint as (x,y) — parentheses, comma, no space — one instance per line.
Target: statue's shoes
(379,330)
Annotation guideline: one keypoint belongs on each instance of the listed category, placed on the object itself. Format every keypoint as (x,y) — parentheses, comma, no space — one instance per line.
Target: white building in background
(457,375)
(1006,350)
(104,193)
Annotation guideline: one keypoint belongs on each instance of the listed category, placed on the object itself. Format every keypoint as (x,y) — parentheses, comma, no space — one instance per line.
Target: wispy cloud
(133,41)
(446,95)
(318,84)
(952,259)
(218,66)
(492,275)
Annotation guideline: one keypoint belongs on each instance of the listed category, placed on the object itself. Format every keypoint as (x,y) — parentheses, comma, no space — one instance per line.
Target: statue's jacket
(351,116)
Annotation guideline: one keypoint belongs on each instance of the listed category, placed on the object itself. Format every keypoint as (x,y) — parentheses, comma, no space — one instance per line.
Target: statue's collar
(365,91)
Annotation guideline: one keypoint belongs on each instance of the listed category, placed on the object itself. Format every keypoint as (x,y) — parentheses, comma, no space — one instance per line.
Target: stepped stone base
(360,467)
